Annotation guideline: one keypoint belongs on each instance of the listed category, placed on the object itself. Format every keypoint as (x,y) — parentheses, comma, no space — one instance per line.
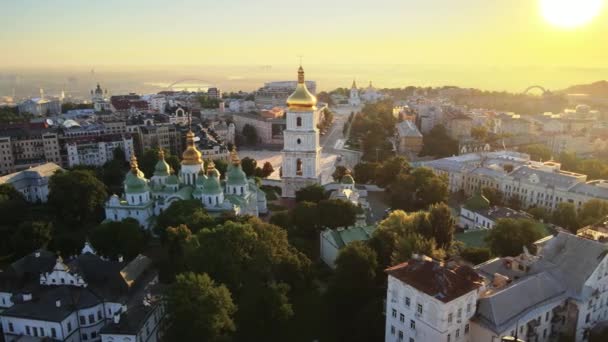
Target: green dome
(212,186)
(162,168)
(235,175)
(200,180)
(172,180)
(348,179)
(135,182)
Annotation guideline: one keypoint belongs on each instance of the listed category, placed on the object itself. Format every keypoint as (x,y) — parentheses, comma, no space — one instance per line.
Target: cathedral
(301,150)
(144,199)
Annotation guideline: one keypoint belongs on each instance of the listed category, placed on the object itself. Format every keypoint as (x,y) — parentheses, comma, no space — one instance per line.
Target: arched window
(242,190)
(210,200)
(299,167)
(299,141)
(299,121)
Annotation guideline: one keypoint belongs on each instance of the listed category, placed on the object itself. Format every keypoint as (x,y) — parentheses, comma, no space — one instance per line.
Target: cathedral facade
(301,149)
(144,198)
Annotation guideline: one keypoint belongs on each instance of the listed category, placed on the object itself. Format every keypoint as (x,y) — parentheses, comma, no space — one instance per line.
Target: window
(402,318)
(407,301)
(457,333)
(99,314)
(394,313)
(11,328)
(299,141)
(299,121)
(450,318)
(466,329)
(392,330)
(419,309)
(469,308)
(41,331)
(459,314)
(411,339)
(35,331)
(91,319)
(546,317)
(53,332)
(27,330)
(588,318)
(69,326)
(413,324)
(449,337)
(85,337)
(400,335)
(83,320)
(299,167)
(545,333)
(93,335)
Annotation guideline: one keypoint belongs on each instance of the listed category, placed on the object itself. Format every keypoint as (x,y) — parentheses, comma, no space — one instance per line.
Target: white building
(100,100)
(145,198)
(477,213)
(354,99)
(541,184)
(96,151)
(371,94)
(301,150)
(332,241)
(33,183)
(41,106)
(429,302)
(44,296)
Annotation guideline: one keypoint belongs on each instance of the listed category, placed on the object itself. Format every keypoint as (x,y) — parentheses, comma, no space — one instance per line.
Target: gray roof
(38,175)
(408,129)
(131,321)
(557,179)
(596,189)
(496,213)
(501,310)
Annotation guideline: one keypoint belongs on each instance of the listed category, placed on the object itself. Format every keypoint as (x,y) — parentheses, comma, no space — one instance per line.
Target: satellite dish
(49,122)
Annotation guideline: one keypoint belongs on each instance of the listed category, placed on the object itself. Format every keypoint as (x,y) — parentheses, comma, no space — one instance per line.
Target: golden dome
(301,99)
(191,156)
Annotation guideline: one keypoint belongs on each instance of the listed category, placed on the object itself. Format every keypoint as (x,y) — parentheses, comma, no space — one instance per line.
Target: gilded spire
(234,157)
(301,99)
(134,165)
(300,75)
(161,154)
(191,156)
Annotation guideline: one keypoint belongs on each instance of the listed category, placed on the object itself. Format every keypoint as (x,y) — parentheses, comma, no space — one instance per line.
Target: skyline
(145,33)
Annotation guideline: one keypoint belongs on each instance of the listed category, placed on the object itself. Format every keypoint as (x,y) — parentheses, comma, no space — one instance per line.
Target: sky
(139,33)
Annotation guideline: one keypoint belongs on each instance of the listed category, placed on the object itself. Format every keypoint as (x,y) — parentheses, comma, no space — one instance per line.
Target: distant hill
(596,89)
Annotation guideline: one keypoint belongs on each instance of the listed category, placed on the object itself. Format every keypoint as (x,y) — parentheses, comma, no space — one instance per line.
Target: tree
(509,236)
(514,202)
(222,166)
(306,219)
(365,172)
(494,195)
(251,134)
(355,277)
(476,255)
(13,207)
(31,235)
(312,193)
(479,133)
(282,219)
(438,143)
(539,213)
(188,212)
(336,213)
(180,242)
(442,223)
(249,165)
(565,216)
(592,212)
(418,189)
(537,152)
(339,172)
(388,172)
(199,309)
(77,197)
(112,239)
(267,170)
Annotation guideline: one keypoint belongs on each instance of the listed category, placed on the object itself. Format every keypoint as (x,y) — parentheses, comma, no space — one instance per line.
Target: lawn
(476,238)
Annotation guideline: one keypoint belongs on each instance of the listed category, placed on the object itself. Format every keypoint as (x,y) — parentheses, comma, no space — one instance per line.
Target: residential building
(597,231)
(428,301)
(78,299)
(167,137)
(276,93)
(131,103)
(477,213)
(269,130)
(27,145)
(96,151)
(512,124)
(409,138)
(301,149)
(33,183)
(541,184)
(144,198)
(41,106)
(458,126)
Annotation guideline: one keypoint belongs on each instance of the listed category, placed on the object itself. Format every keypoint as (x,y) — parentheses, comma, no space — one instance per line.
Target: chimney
(58,303)
(37,254)
(120,258)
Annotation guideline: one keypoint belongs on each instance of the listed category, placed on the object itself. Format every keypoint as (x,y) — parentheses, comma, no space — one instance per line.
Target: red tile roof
(443,283)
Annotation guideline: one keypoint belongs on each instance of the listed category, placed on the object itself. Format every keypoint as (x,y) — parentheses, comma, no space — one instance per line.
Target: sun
(570,13)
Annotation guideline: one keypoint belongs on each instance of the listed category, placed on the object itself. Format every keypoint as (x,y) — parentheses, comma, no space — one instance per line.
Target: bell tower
(301,149)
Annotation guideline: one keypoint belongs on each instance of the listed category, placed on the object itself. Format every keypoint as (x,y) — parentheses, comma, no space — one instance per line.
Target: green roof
(162,168)
(236,200)
(477,202)
(343,237)
(136,183)
(235,175)
(172,180)
(212,186)
(185,192)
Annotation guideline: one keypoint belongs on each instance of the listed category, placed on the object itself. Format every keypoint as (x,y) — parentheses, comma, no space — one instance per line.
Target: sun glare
(570,13)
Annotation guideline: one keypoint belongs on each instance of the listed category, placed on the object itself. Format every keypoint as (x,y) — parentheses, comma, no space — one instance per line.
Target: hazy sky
(154,32)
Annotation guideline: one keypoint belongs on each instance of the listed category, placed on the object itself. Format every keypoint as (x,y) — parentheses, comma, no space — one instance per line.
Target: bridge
(543,90)
(206,84)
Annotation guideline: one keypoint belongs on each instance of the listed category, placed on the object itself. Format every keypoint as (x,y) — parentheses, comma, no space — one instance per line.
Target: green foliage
(148,161)
(593,168)
(199,309)
(479,133)
(537,152)
(442,225)
(112,239)
(509,236)
(282,219)
(374,127)
(7,115)
(188,212)
(249,165)
(388,172)
(592,212)
(365,173)
(339,172)
(566,217)
(518,103)
(31,235)
(222,166)
(306,219)
(476,255)
(336,213)
(209,102)
(250,134)
(312,193)
(437,143)
(77,197)
(417,189)
(494,195)
(539,213)
(70,106)
(266,170)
